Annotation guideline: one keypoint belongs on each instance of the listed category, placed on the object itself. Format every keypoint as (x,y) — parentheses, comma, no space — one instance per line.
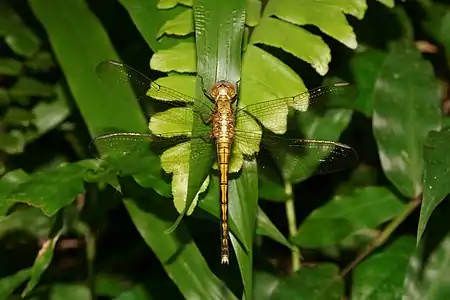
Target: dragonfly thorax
(224,90)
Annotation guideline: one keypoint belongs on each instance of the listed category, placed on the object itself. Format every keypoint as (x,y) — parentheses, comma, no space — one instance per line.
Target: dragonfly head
(223,89)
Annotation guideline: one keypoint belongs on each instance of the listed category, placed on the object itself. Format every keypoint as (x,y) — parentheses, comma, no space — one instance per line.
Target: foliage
(293,237)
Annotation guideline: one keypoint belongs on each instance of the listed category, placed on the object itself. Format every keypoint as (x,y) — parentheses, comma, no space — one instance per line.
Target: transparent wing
(125,151)
(114,75)
(272,113)
(299,158)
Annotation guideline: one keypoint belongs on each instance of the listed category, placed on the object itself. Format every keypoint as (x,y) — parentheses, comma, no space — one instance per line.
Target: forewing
(272,114)
(114,74)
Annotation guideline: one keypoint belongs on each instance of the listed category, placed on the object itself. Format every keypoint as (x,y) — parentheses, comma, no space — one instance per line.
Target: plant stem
(292,225)
(90,254)
(383,236)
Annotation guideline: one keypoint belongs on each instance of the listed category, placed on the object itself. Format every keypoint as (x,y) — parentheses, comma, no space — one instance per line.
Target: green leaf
(136,293)
(366,68)
(406,108)
(270,185)
(28,86)
(16,116)
(31,220)
(179,58)
(12,142)
(182,24)
(328,18)
(152,218)
(50,190)
(48,115)
(345,215)
(86,88)
(436,177)
(264,285)
(42,61)
(10,67)
(166,4)
(177,252)
(243,205)
(265,77)
(428,270)
(319,282)
(388,3)
(381,276)
(309,47)
(41,263)
(265,227)
(70,292)
(9,284)
(23,41)
(253,12)
(149,19)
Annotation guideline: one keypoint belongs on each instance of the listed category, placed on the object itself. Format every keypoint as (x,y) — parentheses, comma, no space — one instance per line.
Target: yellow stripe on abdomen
(223,149)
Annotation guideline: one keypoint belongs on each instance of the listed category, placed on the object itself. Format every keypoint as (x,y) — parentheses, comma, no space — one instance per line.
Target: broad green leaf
(182,83)
(149,19)
(10,67)
(23,41)
(9,284)
(78,63)
(328,18)
(110,285)
(265,227)
(388,3)
(52,189)
(345,215)
(166,4)
(8,183)
(16,116)
(406,108)
(381,276)
(219,28)
(253,12)
(12,142)
(356,8)
(270,185)
(86,88)
(179,58)
(182,24)
(243,205)
(30,220)
(48,115)
(28,86)
(136,293)
(308,47)
(366,68)
(41,263)
(319,282)
(70,292)
(265,284)
(42,61)
(202,282)
(437,175)
(265,77)
(428,270)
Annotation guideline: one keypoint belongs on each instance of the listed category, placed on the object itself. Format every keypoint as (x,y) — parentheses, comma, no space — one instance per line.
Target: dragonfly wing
(273,113)
(125,151)
(115,75)
(299,159)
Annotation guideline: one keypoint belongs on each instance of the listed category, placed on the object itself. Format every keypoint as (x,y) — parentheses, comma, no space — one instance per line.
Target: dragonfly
(223,128)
